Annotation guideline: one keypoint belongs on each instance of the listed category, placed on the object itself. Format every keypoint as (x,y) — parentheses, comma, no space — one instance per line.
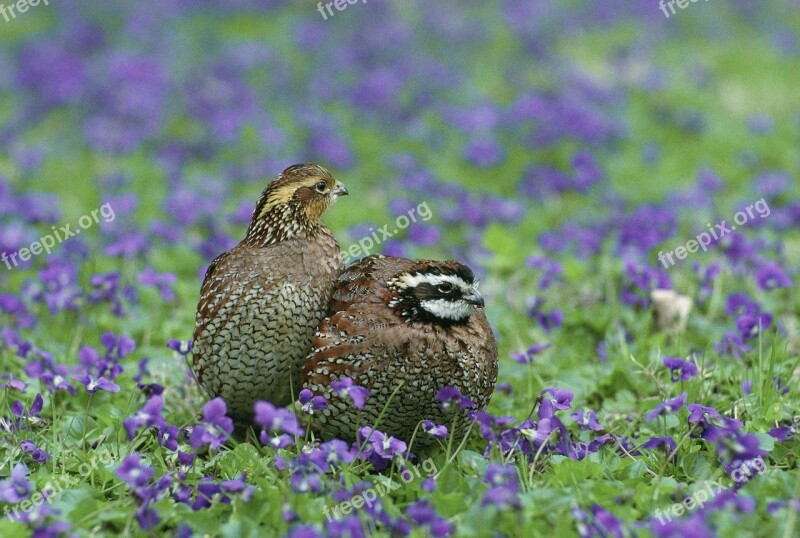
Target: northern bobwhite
(262,300)
(392,320)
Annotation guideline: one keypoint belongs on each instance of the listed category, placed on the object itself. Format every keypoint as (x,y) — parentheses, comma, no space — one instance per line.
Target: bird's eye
(321,186)
(445,287)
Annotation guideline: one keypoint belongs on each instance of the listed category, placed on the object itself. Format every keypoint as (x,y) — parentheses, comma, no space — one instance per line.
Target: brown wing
(357,308)
(214,283)
(365,281)
(226,286)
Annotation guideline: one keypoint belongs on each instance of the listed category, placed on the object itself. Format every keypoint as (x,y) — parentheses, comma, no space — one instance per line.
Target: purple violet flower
(17,488)
(163,282)
(772,276)
(527,357)
(710,423)
(438,431)
(504,487)
(168,437)
(381,448)
(148,416)
(449,396)
(93,385)
(679,369)
(133,473)
(345,387)
(749,326)
(561,398)
(216,427)
(548,320)
(423,514)
(276,419)
(669,406)
(587,420)
(311,404)
(667,444)
(37,454)
(183,347)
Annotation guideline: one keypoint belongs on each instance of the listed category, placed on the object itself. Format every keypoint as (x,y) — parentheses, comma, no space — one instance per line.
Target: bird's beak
(475,297)
(340,189)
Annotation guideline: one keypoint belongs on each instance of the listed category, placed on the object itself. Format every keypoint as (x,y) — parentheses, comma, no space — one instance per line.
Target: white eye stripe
(412,281)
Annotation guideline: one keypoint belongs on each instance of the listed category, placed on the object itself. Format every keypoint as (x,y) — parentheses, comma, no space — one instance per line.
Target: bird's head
(435,292)
(293,203)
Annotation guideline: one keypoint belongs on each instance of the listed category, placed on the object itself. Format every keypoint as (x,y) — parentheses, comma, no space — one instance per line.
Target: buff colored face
(314,193)
(318,194)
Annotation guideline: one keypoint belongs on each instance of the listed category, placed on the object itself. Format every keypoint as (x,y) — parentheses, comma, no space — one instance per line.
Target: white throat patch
(446,309)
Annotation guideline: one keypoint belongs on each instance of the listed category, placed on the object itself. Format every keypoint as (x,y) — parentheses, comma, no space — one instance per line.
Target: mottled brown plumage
(262,300)
(395,320)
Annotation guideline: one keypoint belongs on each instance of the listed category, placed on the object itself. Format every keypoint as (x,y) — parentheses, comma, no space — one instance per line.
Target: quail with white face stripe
(403,329)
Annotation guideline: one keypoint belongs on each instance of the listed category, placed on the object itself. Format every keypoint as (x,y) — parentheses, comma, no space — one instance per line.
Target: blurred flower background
(560,146)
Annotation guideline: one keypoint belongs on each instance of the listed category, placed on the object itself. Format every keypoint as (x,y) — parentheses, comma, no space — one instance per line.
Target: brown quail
(262,300)
(392,321)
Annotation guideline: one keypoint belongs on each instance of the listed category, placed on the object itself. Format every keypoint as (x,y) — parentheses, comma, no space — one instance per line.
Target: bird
(262,301)
(404,330)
